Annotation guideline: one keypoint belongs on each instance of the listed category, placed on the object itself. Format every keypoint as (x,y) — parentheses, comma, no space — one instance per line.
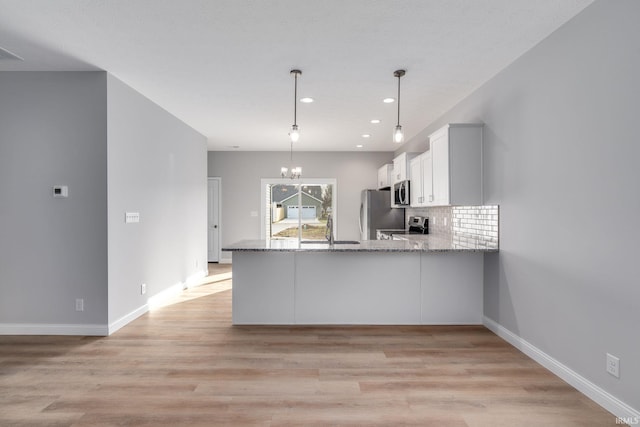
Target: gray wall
(157,166)
(241,173)
(117,152)
(561,160)
(53,131)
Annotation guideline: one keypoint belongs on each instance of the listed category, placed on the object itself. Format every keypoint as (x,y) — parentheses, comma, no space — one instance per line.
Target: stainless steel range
(417,225)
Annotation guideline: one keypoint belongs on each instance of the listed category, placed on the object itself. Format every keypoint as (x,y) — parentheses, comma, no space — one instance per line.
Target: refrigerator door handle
(360,221)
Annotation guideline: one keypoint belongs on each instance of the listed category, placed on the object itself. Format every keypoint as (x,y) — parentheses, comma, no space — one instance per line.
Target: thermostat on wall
(61,191)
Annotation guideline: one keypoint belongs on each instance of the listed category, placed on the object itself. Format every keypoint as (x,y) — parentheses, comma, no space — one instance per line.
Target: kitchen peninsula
(427,281)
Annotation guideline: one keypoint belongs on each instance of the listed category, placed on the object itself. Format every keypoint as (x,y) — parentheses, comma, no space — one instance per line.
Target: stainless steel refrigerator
(376,213)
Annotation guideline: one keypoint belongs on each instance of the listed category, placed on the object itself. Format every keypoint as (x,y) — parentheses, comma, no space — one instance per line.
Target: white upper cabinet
(401,166)
(456,156)
(385,176)
(421,180)
(415,167)
(439,147)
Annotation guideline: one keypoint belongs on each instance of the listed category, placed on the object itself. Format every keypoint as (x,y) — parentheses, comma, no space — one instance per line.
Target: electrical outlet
(131,217)
(143,289)
(79,304)
(613,365)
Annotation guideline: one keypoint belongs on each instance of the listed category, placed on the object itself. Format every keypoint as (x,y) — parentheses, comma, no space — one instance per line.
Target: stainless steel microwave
(401,193)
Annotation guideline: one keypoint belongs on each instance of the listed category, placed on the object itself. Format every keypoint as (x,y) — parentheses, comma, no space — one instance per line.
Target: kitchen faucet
(329,233)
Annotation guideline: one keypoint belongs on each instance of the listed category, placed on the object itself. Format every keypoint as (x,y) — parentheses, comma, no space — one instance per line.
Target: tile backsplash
(474,227)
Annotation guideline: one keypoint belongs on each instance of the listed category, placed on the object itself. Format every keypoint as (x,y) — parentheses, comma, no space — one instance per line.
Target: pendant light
(398,135)
(294,134)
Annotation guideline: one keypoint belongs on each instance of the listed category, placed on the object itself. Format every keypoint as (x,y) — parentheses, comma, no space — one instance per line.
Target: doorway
(213,219)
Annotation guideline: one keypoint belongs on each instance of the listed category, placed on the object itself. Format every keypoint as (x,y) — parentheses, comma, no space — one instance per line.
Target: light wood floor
(184,364)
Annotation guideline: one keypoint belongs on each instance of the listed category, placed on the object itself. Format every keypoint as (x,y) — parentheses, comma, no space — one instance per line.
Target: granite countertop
(423,244)
(391,230)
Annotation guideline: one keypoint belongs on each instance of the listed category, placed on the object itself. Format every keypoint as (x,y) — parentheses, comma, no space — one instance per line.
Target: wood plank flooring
(184,364)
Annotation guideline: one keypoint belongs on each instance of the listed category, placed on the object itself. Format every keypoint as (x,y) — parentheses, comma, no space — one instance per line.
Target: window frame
(300,182)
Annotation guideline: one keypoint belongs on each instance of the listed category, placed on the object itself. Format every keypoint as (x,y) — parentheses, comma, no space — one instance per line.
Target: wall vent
(5,54)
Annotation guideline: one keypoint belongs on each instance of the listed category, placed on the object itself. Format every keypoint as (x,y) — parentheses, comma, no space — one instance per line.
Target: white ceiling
(222,66)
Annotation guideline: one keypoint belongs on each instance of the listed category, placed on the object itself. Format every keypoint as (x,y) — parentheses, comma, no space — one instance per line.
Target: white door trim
(219,214)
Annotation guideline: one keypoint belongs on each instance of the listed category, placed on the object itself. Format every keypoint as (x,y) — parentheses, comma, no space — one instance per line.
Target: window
(297,210)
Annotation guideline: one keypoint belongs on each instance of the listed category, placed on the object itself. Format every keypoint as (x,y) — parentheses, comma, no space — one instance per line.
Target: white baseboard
(53,329)
(128,318)
(72,329)
(97,329)
(196,279)
(224,261)
(583,385)
(161,297)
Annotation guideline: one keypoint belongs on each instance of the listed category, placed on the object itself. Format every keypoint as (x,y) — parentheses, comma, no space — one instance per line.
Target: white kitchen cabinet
(415,167)
(421,180)
(456,156)
(385,176)
(401,166)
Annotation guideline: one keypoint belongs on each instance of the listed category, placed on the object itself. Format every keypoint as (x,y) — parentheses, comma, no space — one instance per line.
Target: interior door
(213,220)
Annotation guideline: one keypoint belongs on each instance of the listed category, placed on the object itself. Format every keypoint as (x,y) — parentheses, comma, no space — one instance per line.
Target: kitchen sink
(336,242)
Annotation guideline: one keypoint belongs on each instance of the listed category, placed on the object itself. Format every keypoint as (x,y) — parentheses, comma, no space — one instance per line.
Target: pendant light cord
(295,97)
(399,100)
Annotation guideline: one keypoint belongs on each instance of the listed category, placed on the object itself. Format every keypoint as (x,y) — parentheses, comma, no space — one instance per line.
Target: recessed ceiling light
(389,100)
(366,135)
(359,146)
(375,121)
(306,100)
